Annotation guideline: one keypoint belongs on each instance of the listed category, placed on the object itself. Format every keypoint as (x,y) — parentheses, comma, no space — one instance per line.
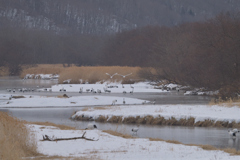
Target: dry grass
(62,158)
(159,120)
(85,73)
(42,69)
(17,97)
(227,103)
(98,73)
(155,139)
(114,133)
(15,139)
(4,71)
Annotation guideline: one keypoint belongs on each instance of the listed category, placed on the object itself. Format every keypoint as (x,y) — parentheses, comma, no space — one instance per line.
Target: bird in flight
(111,76)
(125,75)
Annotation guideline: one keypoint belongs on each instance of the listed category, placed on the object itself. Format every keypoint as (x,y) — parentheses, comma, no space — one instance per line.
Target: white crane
(125,75)
(233,132)
(114,102)
(111,76)
(91,126)
(135,129)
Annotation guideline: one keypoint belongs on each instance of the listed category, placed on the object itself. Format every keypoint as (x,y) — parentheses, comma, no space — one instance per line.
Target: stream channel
(217,137)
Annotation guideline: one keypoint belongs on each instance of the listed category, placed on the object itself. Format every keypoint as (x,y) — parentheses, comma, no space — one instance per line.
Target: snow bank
(198,112)
(113,87)
(44,101)
(112,147)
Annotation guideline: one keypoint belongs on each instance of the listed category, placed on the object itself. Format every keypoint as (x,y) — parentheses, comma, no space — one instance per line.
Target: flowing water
(217,137)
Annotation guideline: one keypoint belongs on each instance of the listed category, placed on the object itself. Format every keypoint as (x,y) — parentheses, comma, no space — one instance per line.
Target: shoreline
(150,120)
(169,115)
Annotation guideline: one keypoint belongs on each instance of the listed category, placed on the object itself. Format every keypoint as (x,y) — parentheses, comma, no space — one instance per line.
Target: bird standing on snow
(124,102)
(233,132)
(91,126)
(114,102)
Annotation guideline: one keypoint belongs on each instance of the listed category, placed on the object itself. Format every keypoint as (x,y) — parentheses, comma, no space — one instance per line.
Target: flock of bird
(124,76)
(91,126)
(231,132)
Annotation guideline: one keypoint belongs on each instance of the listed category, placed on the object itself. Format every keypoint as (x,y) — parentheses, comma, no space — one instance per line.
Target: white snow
(44,101)
(199,112)
(113,147)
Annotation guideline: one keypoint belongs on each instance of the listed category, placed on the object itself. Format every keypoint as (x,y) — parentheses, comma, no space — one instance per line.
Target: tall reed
(98,73)
(16,140)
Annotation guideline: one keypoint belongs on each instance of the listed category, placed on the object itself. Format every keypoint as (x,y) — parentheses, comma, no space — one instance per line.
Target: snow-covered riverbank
(44,101)
(215,115)
(113,147)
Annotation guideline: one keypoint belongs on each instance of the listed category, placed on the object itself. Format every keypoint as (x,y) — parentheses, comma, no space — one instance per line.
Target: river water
(217,137)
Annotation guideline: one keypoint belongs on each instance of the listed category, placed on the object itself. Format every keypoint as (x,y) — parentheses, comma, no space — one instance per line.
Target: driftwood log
(47,138)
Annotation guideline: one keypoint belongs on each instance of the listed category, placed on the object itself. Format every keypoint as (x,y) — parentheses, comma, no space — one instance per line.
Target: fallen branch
(47,138)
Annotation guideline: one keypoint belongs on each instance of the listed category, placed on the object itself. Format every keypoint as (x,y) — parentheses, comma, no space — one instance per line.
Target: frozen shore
(113,147)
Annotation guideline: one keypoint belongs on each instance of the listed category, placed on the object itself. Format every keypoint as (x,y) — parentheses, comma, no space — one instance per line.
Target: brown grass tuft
(208,147)
(231,151)
(225,103)
(130,120)
(115,119)
(155,139)
(118,134)
(101,119)
(205,123)
(15,139)
(4,71)
(17,97)
(42,69)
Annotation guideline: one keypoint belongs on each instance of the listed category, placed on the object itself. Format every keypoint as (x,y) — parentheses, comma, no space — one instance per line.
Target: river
(217,137)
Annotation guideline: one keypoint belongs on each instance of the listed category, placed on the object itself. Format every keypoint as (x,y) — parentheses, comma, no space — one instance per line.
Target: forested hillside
(188,42)
(107,16)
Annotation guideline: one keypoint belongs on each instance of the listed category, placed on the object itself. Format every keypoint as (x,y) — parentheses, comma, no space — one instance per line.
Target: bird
(91,126)
(62,90)
(154,101)
(132,90)
(233,132)
(134,130)
(125,75)
(99,91)
(9,90)
(111,76)
(81,90)
(114,101)
(124,102)
(106,90)
(131,86)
